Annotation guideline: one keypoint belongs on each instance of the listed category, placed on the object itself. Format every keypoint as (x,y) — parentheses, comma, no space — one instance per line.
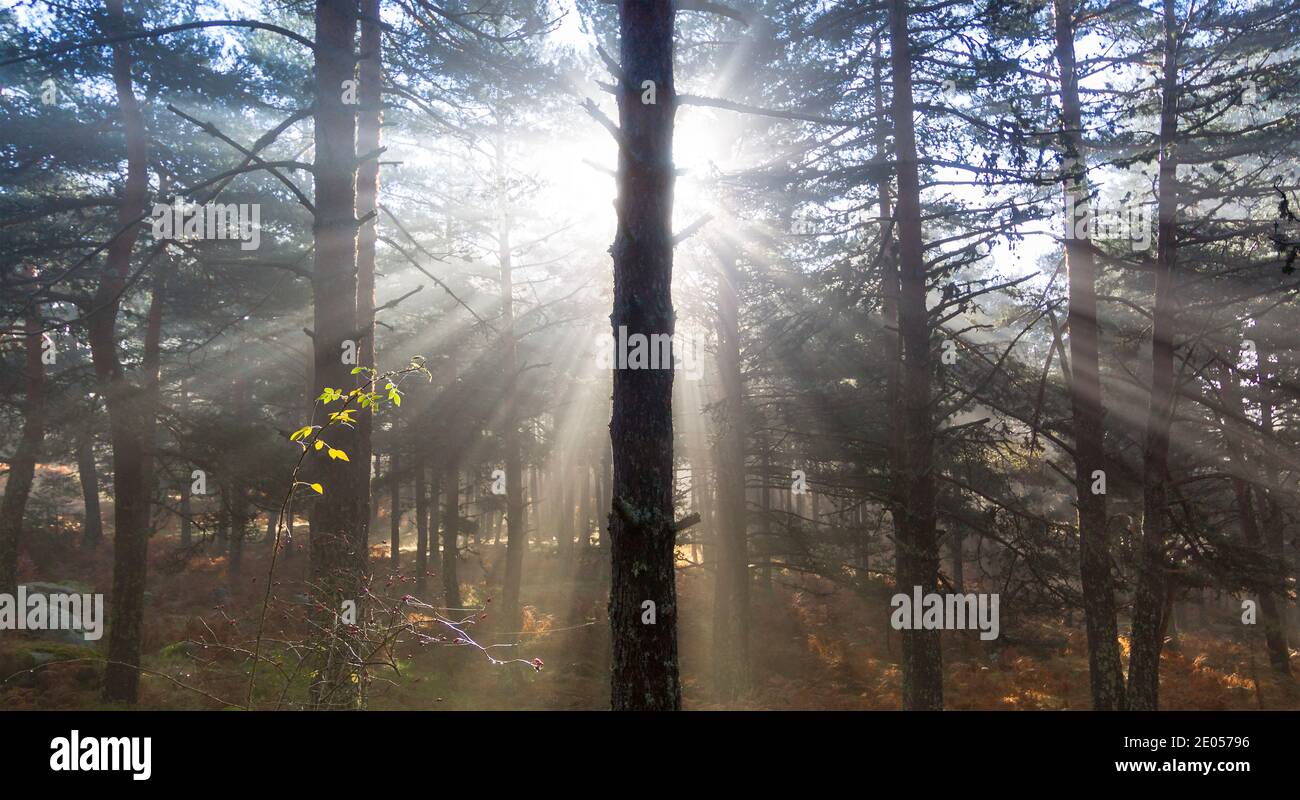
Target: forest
(649,354)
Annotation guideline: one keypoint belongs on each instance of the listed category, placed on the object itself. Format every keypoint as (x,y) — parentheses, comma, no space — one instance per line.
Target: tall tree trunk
(731,596)
(644,671)
(151,397)
(472,499)
(435,503)
(186,487)
(1104,665)
(395,509)
(564,525)
(890,291)
(339,516)
(450,536)
(765,517)
(584,509)
(605,515)
(370,115)
(241,508)
(1149,596)
(92,530)
(130,503)
(1270,606)
(421,519)
(22,469)
(918,551)
(516,532)
(957,552)
(221,538)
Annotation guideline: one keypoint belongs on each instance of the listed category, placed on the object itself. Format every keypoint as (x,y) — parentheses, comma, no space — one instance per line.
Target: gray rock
(72,633)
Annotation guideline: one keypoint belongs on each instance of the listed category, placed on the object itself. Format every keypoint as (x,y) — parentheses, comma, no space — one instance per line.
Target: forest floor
(813,646)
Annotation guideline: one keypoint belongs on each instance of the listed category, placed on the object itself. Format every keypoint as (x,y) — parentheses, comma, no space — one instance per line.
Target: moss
(179,649)
(20,655)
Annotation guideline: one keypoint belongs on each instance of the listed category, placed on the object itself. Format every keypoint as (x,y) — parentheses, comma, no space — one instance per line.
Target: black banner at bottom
(215,750)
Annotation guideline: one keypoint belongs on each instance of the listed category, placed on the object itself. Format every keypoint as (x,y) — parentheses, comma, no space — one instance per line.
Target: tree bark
(450,536)
(241,509)
(186,487)
(731,595)
(644,672)
(22,469)
(370,77)
(151,397)
(890,290)
(1274,522)
(421,520)
(564,489)
(1104,665)
(584,507)
(1149,596)
(339,516)
(918,551)
(130,503)
(435,502)
(395,509)
(765,518)
(92,530)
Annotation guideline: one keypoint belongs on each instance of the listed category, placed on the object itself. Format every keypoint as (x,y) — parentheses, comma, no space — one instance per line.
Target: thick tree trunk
(22,468)
(890,290)
(130,503)
(1104,665)
(339,516)
(1149,597)
(918,551)
(731,596)
(370,76)
(644,671)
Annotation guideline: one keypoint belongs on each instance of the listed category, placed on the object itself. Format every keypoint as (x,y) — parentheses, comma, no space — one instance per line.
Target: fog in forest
(585,354)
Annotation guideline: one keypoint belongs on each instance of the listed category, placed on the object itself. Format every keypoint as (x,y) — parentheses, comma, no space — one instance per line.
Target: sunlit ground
(813,647)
